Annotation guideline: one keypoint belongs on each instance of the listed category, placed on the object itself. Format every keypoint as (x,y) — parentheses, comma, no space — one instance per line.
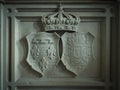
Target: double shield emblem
(43,51)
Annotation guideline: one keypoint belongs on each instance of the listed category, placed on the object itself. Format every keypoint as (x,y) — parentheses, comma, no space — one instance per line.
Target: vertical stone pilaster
(1,45)
(118,43)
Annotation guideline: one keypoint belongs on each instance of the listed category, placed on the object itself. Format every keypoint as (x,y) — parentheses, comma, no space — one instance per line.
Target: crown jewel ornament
(60,21)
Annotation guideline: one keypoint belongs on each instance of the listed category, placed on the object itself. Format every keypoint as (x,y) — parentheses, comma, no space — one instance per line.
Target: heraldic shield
(77,51)
(43,51)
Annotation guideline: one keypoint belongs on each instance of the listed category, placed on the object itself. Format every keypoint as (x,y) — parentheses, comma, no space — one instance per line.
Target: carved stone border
(3,43)
(1,46)
(57,1)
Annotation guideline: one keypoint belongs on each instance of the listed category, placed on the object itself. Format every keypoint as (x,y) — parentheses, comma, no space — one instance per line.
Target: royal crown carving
(60,21)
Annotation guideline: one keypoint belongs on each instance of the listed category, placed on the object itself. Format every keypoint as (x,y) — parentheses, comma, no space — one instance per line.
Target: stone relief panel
(27,25)
(43,53)
(77,51)
(76,65)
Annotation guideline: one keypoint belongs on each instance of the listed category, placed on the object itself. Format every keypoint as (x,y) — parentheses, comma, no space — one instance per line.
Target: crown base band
(60,27)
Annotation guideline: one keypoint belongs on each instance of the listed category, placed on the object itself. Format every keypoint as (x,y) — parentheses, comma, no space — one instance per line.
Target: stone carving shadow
(64,70)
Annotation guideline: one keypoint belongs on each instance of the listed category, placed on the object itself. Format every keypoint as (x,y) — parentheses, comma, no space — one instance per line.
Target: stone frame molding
(12,11)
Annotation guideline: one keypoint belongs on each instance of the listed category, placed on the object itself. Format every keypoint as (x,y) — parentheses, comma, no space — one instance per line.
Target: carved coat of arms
(43,47)
(77,51)
(43,54)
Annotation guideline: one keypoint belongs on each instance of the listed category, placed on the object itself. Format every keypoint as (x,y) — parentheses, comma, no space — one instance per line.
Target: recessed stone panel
(23,70)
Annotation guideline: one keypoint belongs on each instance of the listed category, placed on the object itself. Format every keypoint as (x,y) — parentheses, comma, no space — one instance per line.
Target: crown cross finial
(60,21)
(60,6)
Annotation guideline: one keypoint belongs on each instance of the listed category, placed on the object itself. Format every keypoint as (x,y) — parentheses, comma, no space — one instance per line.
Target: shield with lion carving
(43,54)
(77,51)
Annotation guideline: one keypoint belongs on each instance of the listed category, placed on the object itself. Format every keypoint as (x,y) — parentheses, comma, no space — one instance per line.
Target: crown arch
(60,21)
